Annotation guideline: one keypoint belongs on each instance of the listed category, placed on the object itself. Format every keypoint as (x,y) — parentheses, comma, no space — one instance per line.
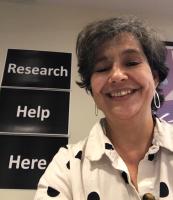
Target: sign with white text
(34,111)
(34,114)
(28,68)
(24,159)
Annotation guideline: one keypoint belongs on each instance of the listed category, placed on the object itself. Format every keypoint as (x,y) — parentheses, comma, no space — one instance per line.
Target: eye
(101,69)
(132,63)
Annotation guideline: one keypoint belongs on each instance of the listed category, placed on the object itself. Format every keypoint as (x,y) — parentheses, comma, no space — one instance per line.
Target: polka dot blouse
(93,170)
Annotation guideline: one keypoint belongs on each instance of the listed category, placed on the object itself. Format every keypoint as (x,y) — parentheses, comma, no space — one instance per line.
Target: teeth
(121,93)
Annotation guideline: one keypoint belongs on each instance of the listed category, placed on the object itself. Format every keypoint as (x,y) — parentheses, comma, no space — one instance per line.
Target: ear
(156,78)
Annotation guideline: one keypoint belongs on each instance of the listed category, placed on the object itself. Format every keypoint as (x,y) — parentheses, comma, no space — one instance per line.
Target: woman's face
(122,82)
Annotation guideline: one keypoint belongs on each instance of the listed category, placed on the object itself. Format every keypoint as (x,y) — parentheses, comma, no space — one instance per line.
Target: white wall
(54,28)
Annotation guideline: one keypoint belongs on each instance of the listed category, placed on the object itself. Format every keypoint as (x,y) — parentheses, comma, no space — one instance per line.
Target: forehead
(123,43)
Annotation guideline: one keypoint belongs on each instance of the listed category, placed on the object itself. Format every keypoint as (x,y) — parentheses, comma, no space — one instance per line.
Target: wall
(54,28)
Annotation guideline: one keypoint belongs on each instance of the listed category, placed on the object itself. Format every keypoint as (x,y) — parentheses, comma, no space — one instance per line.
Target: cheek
(150,85)
(97,83)
(146,77)
(151,81)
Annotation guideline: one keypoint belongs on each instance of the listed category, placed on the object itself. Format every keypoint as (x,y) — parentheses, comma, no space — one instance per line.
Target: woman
(129,153)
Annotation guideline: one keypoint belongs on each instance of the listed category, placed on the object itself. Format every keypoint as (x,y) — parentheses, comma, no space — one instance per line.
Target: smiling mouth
(121,93)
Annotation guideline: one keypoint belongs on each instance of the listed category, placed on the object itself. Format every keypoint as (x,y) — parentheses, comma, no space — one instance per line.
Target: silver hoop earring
(156,100)
(96,110)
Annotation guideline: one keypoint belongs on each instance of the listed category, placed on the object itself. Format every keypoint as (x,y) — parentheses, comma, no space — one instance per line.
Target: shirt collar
(95,146)
(163,134)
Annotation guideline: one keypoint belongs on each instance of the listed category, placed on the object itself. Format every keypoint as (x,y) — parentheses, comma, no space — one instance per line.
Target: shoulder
(56,180)
(65,169)
(163,126)
(164,134)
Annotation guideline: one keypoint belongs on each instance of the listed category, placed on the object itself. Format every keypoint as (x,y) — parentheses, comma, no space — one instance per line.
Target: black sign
(28,68)
(34,111)
(34,114)
(24,159)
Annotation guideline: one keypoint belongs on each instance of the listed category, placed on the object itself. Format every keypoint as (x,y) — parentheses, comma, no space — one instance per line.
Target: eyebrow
(126,51)
(132,51)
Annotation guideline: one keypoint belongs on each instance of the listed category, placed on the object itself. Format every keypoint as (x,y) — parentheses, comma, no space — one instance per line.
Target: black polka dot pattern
(109,146)
(151,157)
(52,192)
(124,175)
(79,155)
(93,196)
(164,190)
(68,164)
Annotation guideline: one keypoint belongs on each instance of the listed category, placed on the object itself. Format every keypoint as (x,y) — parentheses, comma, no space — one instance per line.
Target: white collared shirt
(93,170)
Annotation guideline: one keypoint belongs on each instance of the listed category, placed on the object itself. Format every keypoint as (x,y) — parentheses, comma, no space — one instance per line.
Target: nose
(117,74)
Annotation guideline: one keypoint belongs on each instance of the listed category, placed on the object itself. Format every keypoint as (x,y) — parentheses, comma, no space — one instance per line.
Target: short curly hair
(96,33)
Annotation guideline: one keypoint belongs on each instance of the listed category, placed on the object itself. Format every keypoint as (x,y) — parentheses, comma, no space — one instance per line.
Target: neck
(131,138)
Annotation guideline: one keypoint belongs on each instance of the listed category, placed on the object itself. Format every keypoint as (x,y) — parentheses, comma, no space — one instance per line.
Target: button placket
(147,177)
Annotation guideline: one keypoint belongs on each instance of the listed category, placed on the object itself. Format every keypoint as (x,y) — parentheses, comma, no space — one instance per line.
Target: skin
(123,87)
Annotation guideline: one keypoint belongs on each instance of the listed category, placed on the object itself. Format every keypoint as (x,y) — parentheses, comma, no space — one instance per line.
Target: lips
(121,92)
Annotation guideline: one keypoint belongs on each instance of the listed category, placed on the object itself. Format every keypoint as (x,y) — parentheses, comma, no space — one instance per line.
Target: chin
(125,114)
(124,117)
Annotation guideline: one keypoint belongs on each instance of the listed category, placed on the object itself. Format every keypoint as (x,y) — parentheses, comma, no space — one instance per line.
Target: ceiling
(156,8)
